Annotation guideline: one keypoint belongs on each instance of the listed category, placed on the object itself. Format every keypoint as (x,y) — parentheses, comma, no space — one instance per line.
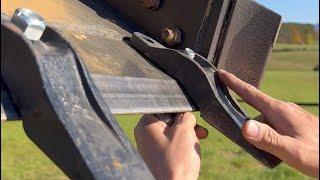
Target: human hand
(283,129)
(171,152)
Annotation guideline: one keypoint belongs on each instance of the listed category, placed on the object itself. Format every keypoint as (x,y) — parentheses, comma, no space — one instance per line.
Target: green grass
(292,85)
(293,61)
(290,57)
(296,47)
(221,159)
(21,159)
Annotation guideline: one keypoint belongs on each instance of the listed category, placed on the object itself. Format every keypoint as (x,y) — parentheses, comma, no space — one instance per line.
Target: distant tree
(296,36)
(310,39)
(297,33)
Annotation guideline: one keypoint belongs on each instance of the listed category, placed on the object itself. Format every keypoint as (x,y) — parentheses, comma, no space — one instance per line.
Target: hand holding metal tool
(199,79)
(67,80)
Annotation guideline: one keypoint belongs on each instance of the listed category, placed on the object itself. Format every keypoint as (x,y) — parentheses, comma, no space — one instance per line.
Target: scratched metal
(97,39)
(94,35)
(126,95)
(62,111)
(236,34)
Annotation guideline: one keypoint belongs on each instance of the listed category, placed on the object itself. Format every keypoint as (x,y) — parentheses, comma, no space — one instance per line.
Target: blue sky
(302,11)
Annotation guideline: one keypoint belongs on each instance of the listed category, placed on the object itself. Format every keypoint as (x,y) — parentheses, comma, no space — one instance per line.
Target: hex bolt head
(189,52)
(171,35)
(31,24)
(151,4)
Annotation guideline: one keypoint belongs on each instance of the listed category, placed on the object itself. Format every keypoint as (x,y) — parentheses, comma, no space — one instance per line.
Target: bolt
(31,24)
(171,35)
(189,52)
(151,4)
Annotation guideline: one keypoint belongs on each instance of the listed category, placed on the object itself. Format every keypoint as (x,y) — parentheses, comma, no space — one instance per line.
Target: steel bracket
(198,77)
(63,113)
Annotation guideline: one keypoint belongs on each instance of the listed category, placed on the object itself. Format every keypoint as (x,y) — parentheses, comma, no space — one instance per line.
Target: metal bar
(126,95)
(63,113)
(201,83)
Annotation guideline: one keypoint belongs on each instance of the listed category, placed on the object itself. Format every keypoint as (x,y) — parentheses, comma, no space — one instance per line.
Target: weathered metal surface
(63,113)
(221,30)
(94,35)
(185,15)
(247,41)
(97,39)
(126,95)
(237,35)
(200,81)
(198,21)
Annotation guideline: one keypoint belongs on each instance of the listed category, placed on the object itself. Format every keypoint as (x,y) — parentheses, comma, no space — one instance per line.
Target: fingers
(150,127)
(264,137)
(247,92)
(187,121)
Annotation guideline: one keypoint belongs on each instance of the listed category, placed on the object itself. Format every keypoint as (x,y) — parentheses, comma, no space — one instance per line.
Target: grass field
(295,47)
(297,58)
(288,77)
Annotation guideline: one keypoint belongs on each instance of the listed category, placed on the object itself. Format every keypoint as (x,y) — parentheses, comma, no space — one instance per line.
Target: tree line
(294,33)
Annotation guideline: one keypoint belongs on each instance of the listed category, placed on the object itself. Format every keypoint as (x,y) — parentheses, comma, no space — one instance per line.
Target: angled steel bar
(63,112)
(199,79)
(236,35)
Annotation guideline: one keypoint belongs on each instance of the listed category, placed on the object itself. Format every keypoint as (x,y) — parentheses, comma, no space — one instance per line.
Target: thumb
(187,120)
(264,137)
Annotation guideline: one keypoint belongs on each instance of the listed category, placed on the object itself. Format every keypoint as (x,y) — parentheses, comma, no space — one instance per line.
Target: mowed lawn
(221,159)
(294,57)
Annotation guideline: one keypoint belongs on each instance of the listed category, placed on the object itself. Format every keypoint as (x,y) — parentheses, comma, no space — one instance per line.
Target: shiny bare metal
(31,24)
(189,52)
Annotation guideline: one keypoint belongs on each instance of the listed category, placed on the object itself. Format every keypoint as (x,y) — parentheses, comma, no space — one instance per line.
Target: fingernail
(252,130)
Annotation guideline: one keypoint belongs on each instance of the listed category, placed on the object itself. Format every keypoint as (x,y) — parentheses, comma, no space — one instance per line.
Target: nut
(171,35)
(151,4)
(31,24)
